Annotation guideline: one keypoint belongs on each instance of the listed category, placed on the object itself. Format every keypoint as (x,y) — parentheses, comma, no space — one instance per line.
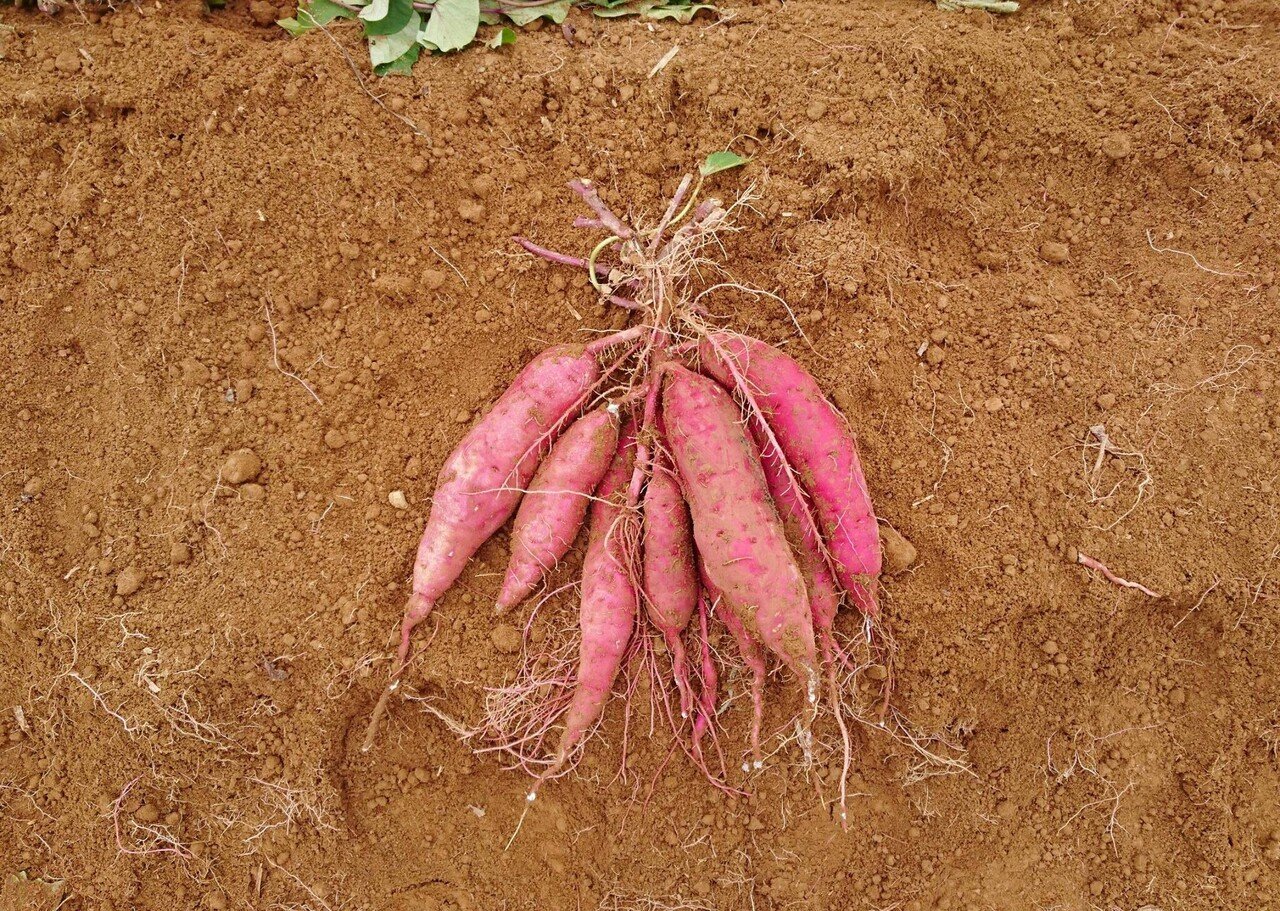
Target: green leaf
(293,26)
(523,15)
(386,17)
(615,11)
(322,12)
(680,10)
(386,49)
(720,161)
(503,38)
(680,13)
(375,10)
(402,65)
(311,15)
(453,24)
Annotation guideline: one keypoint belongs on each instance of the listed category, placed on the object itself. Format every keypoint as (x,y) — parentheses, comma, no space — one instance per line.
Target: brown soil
(998,233)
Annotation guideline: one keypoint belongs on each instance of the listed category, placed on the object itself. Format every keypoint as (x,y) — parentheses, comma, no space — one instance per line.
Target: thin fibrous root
(1089,562)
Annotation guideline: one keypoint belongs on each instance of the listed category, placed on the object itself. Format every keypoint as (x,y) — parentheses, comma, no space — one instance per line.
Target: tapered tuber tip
(417,609)
(378,710)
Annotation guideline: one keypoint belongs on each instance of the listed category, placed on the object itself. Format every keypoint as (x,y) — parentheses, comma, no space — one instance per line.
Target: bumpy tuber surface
(556,502)
(738,532)
(818,444)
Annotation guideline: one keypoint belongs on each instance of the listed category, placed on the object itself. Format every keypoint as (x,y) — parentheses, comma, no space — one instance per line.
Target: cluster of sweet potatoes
(717,482)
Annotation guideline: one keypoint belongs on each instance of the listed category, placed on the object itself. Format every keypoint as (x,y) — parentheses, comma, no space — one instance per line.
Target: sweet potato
(609,606)
(817,443)
(481,482)
(670,580)
(555,504)
(738,532)
(824,596)
(709,678)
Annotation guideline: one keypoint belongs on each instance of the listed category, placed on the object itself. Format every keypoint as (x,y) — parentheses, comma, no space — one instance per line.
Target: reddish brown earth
(997,232)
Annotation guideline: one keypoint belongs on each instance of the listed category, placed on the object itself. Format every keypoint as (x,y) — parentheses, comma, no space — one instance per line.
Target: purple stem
(612,222)
(577,262)
(564,259)
(617,338)
(674,207)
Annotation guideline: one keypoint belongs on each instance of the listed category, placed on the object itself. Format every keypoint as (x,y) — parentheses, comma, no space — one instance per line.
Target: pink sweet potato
(824,596)
(481,482)
(817,443)
(670,580)
(738,532)
(609,606)
(556,502)
(709,677)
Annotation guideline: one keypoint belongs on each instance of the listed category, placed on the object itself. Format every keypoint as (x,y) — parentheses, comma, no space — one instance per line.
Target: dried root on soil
(724,489)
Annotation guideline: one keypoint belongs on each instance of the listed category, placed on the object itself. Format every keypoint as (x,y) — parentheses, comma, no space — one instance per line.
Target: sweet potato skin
(480,484)
(738,532)
(818,443)
(610,602)
(669,577)
(556,502)
(824,594)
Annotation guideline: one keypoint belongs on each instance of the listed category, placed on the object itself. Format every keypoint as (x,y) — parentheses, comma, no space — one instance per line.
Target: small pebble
(253,493)
(271,766)
(506,638)
(147,813)
(462,417)
(129,581)
(1059,342)
(68,62)
(179,553)
(242,465)
(993,404)
(1051,251)
(263,13)
(899,553)
(413,468)
(334,438)
(396,499)
(1117,146)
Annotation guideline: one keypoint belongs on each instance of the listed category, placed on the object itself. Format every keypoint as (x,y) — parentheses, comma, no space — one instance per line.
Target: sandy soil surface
(999,234)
